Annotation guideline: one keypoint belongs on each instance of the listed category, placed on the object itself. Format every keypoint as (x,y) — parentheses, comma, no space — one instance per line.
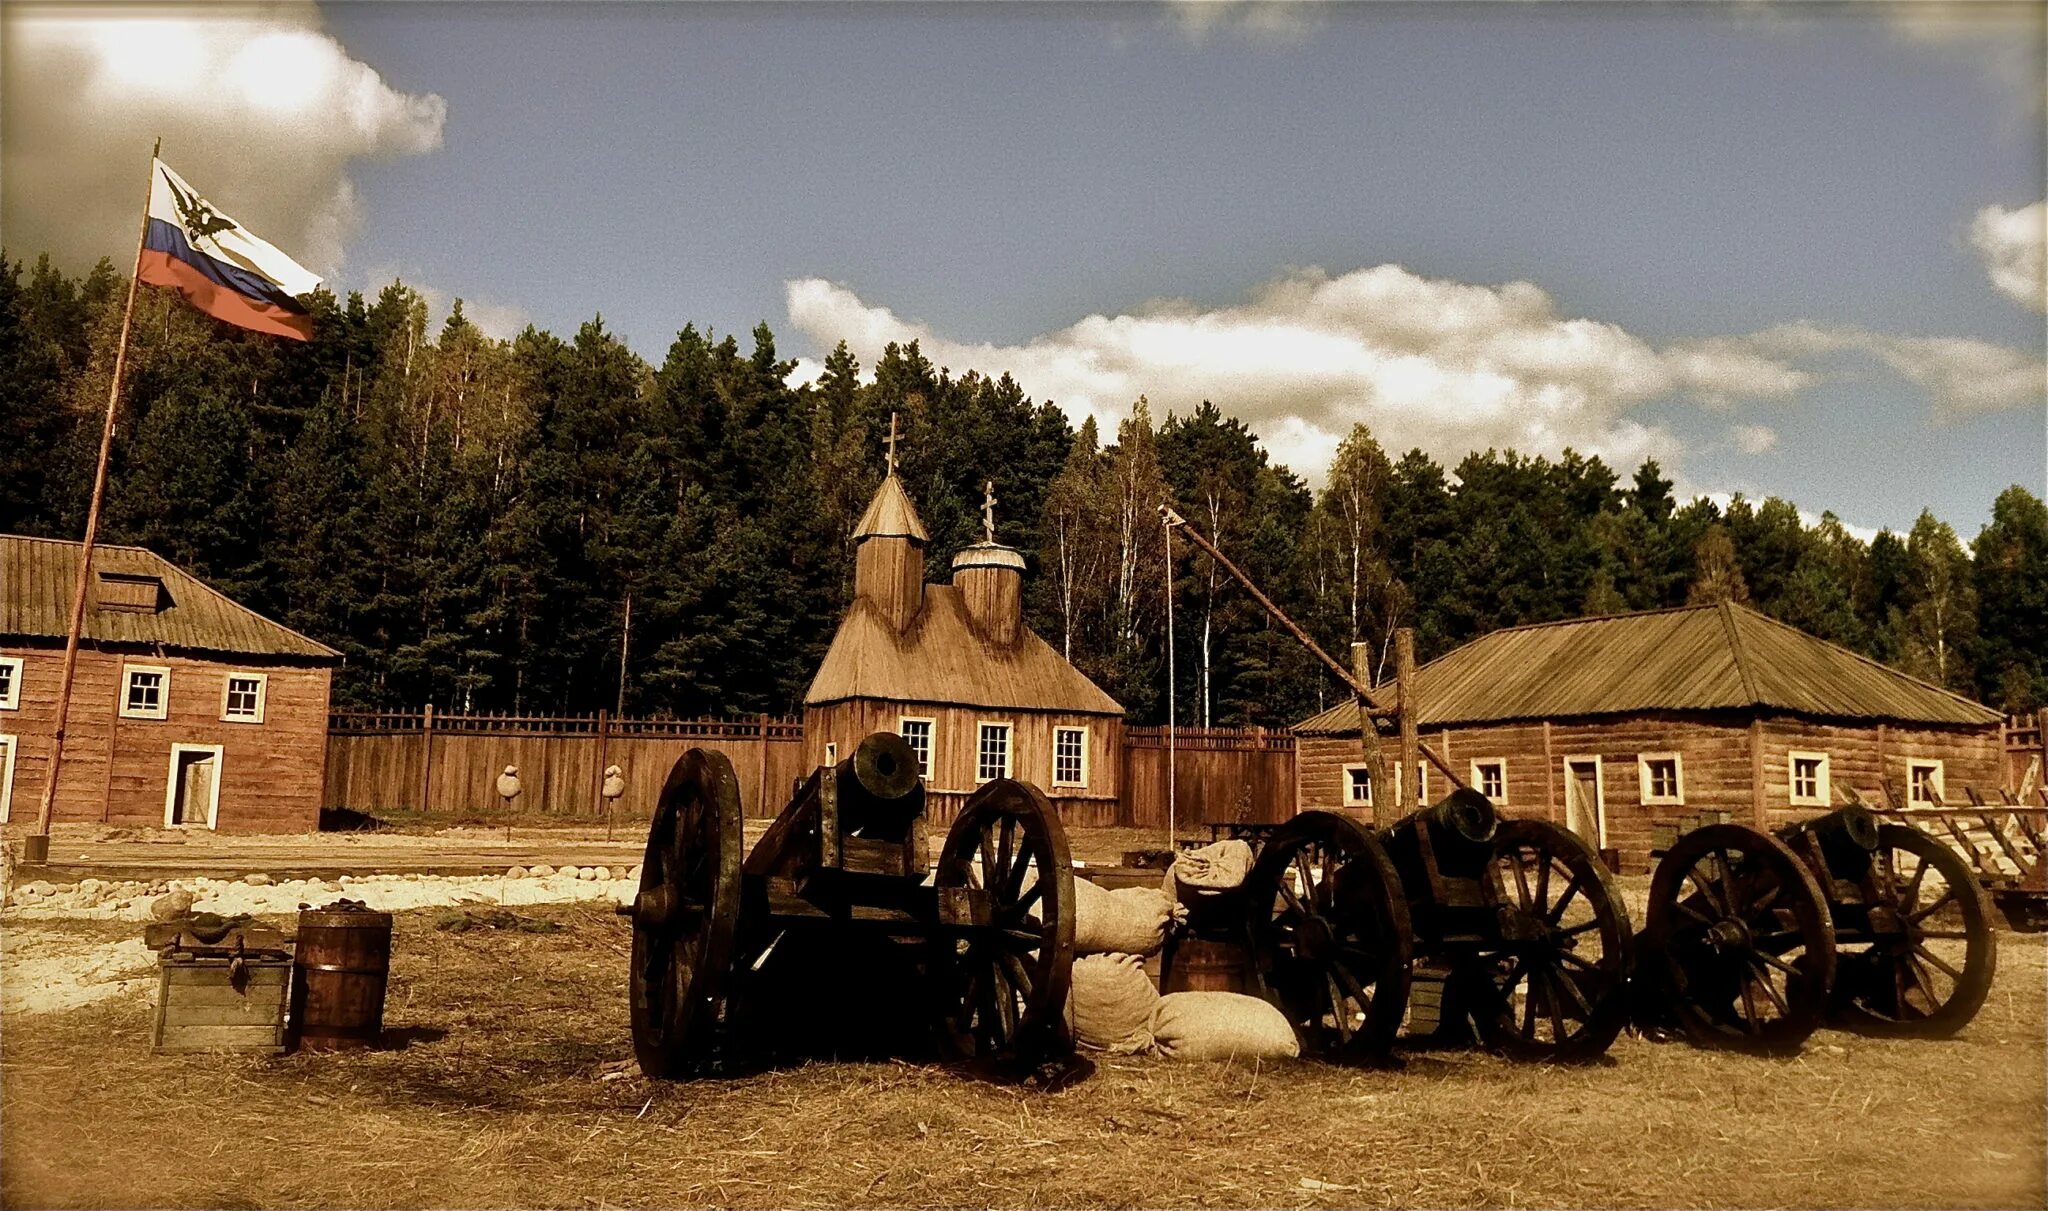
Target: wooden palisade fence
(436,763)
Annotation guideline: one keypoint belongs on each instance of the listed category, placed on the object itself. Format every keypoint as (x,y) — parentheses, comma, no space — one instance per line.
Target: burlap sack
(1209,870)
(1130,920)
(1221,1026)
(1110,1004)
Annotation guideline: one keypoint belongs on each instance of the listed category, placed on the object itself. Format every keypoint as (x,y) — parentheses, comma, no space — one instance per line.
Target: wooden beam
(1404,700)
(426,756)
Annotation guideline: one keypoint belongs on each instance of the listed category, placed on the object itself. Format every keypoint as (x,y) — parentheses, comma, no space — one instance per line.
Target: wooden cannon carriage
(1516,924)
(830,938)
(1753,940)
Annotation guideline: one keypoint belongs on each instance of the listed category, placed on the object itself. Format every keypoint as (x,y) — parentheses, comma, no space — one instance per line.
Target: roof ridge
(79,542)
(1879,665)
(1740,653)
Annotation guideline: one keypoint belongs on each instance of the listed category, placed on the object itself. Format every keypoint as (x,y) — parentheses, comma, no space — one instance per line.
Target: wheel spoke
(1706,891)
(1946,898)
(1939,962)
(1338,1009)
(1543,884)
(1571,986)
(1770,990)
(1557,1030)
(1556,913)
(1750,1017)
(1770,960)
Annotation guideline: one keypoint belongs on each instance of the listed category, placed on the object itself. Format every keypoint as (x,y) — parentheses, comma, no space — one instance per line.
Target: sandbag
(1221,1026)
(1210,870)
(1110,1004)
(1130,920)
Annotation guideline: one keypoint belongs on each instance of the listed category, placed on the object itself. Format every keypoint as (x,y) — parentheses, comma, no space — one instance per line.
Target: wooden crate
(199,1007)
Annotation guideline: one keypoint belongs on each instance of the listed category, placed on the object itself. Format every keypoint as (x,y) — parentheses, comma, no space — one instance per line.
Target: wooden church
(953,669)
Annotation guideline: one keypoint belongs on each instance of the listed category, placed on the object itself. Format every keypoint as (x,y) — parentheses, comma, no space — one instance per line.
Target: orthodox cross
(988,511)
(892,443)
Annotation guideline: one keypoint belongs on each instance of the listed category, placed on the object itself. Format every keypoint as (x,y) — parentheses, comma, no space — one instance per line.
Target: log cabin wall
(1719,753)
(117,770)
(955,749)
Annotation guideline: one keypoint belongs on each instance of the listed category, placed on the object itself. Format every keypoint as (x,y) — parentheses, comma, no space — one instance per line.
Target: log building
(187,710)
(954,670)
(1617,725)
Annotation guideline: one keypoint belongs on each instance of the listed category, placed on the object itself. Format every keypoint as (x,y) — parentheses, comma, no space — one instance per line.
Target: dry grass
(500,1097)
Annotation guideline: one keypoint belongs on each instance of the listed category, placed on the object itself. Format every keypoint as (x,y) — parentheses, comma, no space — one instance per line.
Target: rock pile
(259,893)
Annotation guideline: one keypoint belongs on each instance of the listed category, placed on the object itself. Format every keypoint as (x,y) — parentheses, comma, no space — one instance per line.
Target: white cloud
(256,106)
(1753,439)
(2002,38)
(1447,366)
(1264,20)
(2009,244)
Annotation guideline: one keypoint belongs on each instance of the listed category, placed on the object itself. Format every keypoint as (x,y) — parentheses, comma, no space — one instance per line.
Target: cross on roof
(892,443)
(988,510)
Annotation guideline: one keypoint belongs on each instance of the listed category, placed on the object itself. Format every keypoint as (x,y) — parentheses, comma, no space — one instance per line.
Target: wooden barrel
(338,977)
(1198,964)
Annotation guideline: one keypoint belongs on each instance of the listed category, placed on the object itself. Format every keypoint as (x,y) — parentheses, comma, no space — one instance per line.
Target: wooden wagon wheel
(1006,940)
(1740,940)
(685,916)
(1916,959)
(1555,986)
(1330,936)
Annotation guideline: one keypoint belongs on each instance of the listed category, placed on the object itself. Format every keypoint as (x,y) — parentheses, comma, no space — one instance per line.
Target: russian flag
(218,265)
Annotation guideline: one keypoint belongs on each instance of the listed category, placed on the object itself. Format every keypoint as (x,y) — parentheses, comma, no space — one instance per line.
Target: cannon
(1753,940)
(1514,924)
(834,936)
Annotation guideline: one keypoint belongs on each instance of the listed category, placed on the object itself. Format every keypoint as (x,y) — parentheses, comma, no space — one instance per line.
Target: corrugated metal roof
(1724,657)
(940,660)
(890,514)
(38,575)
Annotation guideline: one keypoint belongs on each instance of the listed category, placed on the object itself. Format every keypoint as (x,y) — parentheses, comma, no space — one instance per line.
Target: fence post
(426,756)
(597,778)
(1411,738)
(762,740)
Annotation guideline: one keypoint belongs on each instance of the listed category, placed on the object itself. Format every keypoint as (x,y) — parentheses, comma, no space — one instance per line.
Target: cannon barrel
(878,783)
(1847,836)
(1464,818)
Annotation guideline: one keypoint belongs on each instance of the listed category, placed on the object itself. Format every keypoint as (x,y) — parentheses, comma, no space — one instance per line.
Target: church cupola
(990,579)
(889,543)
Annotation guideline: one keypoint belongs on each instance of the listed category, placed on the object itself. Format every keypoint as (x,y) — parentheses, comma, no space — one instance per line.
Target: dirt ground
(508,1082)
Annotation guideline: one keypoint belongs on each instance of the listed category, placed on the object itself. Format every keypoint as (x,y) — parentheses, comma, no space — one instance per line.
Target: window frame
(15,665)
(227,686)
(163,697)
(1479,781)
(1939,768)
(1356,767)
(928,760)
(1644,781)
(11,744)
(1009,731)
(1823,781)
(1083,731)
(220,764)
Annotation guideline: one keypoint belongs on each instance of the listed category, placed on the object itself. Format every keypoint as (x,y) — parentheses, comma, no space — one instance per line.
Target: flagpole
(36,849)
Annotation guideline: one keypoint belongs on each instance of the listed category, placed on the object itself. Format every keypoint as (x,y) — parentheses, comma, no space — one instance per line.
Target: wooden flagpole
(36,849)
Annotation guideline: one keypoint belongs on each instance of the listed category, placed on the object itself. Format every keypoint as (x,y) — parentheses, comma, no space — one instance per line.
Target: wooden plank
(218,1038)
(214,972)
(266,1011)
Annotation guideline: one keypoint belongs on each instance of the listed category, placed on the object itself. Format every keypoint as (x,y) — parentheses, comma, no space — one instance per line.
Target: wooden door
(6,777)
(194,798)
(1582,799)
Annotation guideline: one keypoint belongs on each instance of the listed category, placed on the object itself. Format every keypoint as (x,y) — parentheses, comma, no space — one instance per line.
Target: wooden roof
(940,660)
(1719,657)
(37,577)
(890,514)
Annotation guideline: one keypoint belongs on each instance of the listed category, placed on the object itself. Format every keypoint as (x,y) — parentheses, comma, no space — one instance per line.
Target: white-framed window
(242,697)
(8,747)
(192,792)
(917,733)
(1807,775)
(992,752)
(1924,782)
(1358,785)
(1490,778)
(1070,757)
(145,691)
(1662,777)
(10,683)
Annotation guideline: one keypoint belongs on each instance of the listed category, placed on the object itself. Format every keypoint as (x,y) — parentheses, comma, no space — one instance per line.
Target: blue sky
(1763,216)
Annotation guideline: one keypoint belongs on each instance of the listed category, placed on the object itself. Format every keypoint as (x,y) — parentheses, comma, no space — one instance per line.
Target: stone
(634,874)
(90,886)
(601,872)
(347,879)
(41,887)
(542,871)
(517,872)
(256,879)
(571,872)
(169,905)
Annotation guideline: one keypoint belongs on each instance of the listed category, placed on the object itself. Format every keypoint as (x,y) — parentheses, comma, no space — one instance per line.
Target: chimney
(888,560)
(990,578)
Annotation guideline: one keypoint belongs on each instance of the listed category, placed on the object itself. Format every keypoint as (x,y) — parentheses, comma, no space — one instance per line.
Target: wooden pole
(426,756)
(92,527)
(597,801)
(1370,707)
(1172,771)
(1404,697)
(1386,805)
